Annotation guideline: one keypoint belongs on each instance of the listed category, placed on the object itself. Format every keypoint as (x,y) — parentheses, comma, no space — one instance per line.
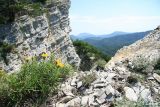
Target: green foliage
(127,103)
(157,66)
(34,83)
(101,63)
(9,9)
(157,71)
(5,48)
(140,65)
(112,44)
(42,1)
(88,79)
(88,54)
(132,80)
(36,9)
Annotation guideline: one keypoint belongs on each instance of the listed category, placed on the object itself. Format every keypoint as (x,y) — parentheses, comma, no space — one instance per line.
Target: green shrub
(34,82)
(42,1)
(132,80)
(89,55)
(157,66)
(157,71)
(127,103)
(5,48)
(88,79)
(9,9)
(140,65)
(101,63)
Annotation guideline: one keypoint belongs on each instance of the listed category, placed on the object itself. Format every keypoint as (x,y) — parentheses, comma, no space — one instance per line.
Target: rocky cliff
(145,52)
(30,36)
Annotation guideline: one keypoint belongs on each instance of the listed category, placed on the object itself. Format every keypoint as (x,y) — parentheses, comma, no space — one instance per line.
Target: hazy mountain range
(110,43)
(83,36)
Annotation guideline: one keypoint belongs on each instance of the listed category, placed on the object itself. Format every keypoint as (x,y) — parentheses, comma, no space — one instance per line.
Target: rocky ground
(129,79)
(105,90)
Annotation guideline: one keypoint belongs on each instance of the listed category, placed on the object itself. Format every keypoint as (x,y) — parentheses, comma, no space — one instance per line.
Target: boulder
(74,82)
(85,101)
(98,92)
(60,105)
(66,99)
(91,99)
(67,89)
(130,94)
(79,84)
(109,89)
(157,77)
(76,102)
(146,95)
(109,97)
(89,91)
(101,99)
(99,80)
(100,85)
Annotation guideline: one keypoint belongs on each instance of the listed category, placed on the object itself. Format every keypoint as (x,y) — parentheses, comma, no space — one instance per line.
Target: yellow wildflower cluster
(59,63)
(44,55)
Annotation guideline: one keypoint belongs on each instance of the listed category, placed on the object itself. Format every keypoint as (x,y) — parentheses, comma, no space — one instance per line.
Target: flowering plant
(59,63)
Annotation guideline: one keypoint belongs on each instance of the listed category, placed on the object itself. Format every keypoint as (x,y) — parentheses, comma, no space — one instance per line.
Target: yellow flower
(59,63)
(28,58)
(44,55)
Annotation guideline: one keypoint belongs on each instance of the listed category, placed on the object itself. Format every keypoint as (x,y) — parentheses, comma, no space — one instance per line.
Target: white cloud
(127,19)
(106,25)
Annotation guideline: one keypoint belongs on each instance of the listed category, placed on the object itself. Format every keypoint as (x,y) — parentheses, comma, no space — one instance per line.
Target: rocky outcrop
(31,36)
(145,51)
(106,90)
(129,77)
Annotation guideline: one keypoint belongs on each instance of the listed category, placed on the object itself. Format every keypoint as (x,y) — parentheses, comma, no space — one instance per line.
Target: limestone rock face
(31,36)
(143,53)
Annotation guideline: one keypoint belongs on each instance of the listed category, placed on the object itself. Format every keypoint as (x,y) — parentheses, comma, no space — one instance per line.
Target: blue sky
(106,16)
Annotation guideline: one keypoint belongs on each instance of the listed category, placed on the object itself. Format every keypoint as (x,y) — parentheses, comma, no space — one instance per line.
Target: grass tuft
(35,82)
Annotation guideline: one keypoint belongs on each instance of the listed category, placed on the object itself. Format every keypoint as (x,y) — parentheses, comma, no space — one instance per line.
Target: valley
(109,44)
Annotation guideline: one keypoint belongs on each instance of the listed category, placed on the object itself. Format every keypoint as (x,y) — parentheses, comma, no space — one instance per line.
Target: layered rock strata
(31,36)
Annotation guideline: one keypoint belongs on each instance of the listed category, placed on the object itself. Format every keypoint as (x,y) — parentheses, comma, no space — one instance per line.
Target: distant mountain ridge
(83,36)
(109,44)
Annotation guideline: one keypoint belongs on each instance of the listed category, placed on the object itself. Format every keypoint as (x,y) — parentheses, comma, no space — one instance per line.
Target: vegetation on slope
(10,8)
(111,45)
(33,84)
(90,55)
(157,67)
(4,50)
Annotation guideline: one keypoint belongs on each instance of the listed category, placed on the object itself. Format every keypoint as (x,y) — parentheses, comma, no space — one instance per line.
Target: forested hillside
(111,45)
(90,56)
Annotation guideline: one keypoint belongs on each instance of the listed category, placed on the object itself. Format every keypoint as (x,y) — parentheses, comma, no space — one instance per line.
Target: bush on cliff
(157,67)
(5,48)
(89,55)
(35,82)
(9,9)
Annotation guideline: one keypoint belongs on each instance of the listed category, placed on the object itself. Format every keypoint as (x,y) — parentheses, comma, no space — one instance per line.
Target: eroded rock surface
(48,33)
(108,90)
